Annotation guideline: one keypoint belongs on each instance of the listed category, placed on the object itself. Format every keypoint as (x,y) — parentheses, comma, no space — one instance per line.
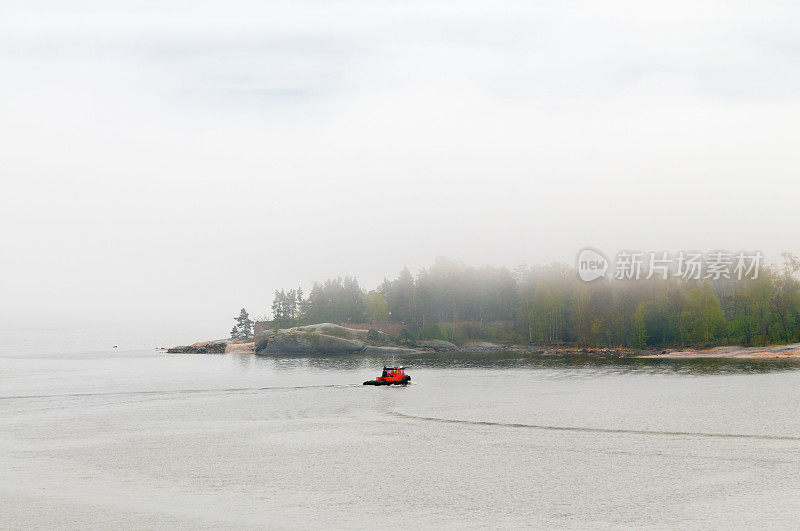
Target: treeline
(550,304)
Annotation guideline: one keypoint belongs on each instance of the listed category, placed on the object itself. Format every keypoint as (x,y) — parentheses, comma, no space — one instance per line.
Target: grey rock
(204,347)
(438,345)
(308,340)
(372,349)
(481,346)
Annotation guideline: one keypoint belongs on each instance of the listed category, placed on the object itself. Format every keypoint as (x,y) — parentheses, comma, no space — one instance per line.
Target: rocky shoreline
(790,351)
(220,346)
(328,338)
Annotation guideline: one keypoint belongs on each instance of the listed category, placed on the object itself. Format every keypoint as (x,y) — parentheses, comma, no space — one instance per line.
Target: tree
(336,300)
(302,307)
(650,324)
(243,330)
(405,337)
(550,304)
(377,308)
(786,302)
(756,316)
(704,315)
(399,295)
(285,307)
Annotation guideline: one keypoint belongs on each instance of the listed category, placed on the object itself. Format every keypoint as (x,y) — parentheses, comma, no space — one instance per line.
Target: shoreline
(328,338)
(773,352)
(788,351)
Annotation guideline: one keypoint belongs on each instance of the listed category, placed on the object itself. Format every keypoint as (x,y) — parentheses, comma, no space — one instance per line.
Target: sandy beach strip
(769,352)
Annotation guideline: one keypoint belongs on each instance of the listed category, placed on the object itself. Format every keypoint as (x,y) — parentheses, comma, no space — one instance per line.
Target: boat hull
(404,381)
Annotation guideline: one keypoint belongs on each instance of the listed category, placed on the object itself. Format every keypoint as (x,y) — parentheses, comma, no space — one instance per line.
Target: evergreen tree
(377,308)
(243,330)
(704,314)
(550,304)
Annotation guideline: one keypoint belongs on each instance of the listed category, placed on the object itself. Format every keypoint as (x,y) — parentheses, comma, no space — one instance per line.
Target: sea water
(140,438)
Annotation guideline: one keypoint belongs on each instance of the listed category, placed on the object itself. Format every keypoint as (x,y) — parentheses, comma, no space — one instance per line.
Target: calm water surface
(146,439)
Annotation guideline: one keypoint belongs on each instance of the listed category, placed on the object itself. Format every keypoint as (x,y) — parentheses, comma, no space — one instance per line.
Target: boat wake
(180,391)
(600,430)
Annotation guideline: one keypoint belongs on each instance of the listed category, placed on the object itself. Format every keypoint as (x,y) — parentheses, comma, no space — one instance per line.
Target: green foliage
(374,337)
(406,338)
(550,304)
(243,330)
(704,316)
(651,323)
(432,331)
(337,300)
(288,307)
(377,307)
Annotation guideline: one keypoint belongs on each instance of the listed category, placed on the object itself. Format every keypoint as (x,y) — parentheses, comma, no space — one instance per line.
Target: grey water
(144,439)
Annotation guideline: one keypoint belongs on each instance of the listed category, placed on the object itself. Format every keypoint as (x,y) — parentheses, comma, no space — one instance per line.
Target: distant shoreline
(791,351)
(328,338)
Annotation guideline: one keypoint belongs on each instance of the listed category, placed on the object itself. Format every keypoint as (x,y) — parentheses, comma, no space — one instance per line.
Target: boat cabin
(391,374)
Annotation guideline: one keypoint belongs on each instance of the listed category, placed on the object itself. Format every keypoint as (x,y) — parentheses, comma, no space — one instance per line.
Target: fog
(170,162)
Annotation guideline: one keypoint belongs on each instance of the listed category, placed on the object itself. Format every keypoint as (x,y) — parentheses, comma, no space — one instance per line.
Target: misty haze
(399,264)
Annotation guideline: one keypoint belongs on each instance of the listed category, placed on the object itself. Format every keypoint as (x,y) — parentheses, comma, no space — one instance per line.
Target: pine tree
(244,326)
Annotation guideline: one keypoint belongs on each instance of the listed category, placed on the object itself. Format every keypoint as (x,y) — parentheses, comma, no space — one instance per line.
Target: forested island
(550,304)
(545,305)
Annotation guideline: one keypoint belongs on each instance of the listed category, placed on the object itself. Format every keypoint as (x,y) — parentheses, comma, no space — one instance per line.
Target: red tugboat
(391,376)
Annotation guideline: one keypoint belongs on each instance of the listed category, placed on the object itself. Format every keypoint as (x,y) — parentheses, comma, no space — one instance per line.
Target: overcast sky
(175,161)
